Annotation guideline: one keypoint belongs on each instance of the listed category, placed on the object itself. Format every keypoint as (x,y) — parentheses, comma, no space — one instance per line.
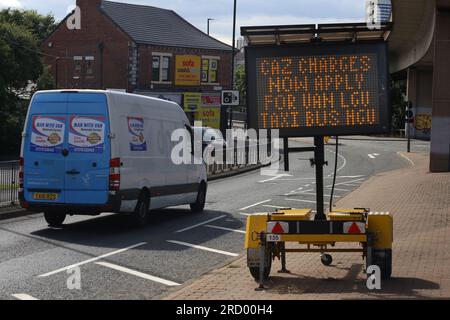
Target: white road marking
(23,296)
(138,274)
(346,190)
(92,260)
(404,156)
(371,156)
(297,192)
(200,224)
(345,182)
(276,177)
(226,253)
(254,205)
(226,229)
(300,200)
(326,195)
(343,164)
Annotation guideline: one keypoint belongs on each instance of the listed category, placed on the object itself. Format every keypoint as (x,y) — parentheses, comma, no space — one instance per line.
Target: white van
(88,151)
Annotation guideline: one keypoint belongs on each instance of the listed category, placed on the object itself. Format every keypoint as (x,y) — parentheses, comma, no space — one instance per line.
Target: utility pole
(232,58)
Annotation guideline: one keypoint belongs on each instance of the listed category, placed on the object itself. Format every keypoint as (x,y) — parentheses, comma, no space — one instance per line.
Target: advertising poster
(192,101)
(136,134)
(209,116)
(87,134)
(211,101)
(187,70)
(47,134)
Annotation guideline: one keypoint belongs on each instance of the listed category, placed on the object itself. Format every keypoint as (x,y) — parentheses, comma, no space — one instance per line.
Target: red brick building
(141,49)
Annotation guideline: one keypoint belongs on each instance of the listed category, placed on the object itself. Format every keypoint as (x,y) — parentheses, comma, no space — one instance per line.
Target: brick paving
(420,204)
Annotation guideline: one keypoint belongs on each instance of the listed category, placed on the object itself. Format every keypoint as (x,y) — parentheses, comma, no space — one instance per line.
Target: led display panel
(319,88)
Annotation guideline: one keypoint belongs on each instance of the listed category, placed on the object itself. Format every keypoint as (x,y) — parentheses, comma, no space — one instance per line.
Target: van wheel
(199,205)
(141,210)
(54,218)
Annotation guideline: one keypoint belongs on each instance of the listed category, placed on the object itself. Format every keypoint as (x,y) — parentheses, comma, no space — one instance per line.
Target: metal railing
(9,182)
(244,156)
(9,171)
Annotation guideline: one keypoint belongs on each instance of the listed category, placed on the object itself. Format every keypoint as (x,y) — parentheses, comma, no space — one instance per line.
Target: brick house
(140,49)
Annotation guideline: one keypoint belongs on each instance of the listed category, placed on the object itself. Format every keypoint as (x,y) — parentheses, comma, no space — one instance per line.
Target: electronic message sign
(319,88)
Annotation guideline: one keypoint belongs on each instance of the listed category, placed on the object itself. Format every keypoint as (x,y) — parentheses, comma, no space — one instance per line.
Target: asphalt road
(119,261)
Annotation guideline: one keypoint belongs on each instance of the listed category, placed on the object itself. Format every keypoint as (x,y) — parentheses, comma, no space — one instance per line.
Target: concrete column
(440,131)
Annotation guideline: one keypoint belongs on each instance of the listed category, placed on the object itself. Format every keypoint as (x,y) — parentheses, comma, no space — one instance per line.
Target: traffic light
(409,112)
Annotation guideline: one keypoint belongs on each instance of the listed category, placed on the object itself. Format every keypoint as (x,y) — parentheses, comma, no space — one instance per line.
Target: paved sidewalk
(420,204)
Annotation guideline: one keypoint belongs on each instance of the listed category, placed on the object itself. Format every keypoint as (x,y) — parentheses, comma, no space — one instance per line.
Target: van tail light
(114,174)
(21,165)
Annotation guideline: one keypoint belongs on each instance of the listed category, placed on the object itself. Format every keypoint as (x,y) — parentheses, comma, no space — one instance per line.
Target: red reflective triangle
(277,228)
(354,228)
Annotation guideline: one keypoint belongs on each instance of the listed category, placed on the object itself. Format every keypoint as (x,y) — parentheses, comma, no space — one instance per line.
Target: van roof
(108,93)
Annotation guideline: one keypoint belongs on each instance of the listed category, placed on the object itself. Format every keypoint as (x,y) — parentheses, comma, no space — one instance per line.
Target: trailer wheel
(326,259)
(383,259)
(54,218)
(254,271)
(199,204)
(142,208)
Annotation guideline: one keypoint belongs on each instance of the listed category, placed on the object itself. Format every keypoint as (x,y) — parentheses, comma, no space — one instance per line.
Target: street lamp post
(232,58)
(209,19)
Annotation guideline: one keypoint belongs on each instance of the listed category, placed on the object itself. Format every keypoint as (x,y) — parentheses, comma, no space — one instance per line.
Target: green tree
(398,93)
(39,25)
(241,85)
(21,71)
(46,81)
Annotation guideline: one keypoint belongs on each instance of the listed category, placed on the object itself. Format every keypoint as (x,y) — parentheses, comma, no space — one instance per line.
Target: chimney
(89,4)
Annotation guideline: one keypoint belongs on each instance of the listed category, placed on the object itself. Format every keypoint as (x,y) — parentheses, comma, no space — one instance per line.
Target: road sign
(319,89)
(230,98)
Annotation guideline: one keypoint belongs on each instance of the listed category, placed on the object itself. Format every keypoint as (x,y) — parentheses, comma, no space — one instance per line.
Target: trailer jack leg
(283,260)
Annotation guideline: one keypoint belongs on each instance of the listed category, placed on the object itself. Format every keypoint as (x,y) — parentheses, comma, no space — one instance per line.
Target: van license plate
(45,196)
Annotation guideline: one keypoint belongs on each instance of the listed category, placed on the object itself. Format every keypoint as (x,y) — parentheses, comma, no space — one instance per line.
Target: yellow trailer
(268,233)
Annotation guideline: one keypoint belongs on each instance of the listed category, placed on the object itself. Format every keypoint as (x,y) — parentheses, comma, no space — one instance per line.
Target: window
(77,60)
(210,67)
(161,68)
(89,65)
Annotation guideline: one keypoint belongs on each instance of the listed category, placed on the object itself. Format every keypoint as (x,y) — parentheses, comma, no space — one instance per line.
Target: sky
(249,12)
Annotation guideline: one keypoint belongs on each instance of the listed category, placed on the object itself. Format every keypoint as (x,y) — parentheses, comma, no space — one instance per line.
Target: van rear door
(45,140)
(89,151)
(67,149)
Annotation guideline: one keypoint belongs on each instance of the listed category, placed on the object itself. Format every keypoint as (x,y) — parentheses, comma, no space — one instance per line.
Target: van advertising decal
(47,134)
(87,134)
(136,134)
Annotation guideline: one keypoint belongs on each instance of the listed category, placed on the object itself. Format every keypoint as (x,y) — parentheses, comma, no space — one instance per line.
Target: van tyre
(54,218)
(142,208)
(199,205)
